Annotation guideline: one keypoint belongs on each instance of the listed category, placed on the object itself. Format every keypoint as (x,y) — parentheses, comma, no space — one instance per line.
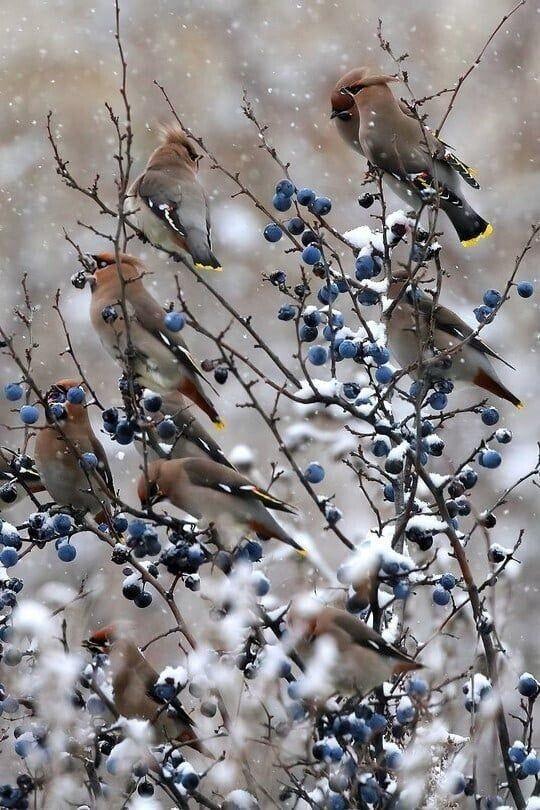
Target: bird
(191,440)
(160,358)
(18,477)
(416,164)
(136,691)
(169,204)
(59,447)
(440,330)
(226,500)
(363,660)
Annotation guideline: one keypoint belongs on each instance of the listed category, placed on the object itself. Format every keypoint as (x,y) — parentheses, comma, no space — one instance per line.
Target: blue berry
(62,523)
(530,765)
(120,524)
(380,447)
(13,391)
(440,595)
(384,375)
(482,313)
(295,226)
(75,395)
(468,477)
(528,686)
(490,416)
(89,461)
(312,317)
(321,206)
(278,278)
(314,473)
(368,298)
(254,550)
(175,321)
(9,557)
(286,312)
(272,232)
(365,268)
(492,298)
(317,355)
(152,403)
(379,354)
(261,583)
(305,196)
(144,600)
(285,187)
(66,552)
(347,349)
(29,414)
(308,334)
(328,293)
(281,202)
(490,459)
(388,493)
(311,255)
(401,589)
(351,390)
(525,289)
(438,401)
(456,783)
(517,753)
(57,411)
(189,780)
(448,581)
(417,686)
(166,429)
(405,712)
(503,435)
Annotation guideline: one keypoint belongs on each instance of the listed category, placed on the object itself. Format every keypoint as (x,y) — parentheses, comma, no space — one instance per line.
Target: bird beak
(346,91)
(333,114)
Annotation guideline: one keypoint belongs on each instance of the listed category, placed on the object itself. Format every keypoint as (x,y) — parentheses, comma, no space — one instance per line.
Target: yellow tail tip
(200,266)
(520,405)
(488,230)
(219,425)
(302,553)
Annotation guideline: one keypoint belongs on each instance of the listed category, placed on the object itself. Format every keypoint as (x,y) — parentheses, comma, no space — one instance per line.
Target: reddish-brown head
(173,136)
(350,85)
(107,271)
(102,640)
(57,395)
(149,485)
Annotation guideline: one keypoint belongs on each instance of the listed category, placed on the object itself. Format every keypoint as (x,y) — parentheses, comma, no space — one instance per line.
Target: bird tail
(199,247)
(192,392)
(483,380)
(470,226)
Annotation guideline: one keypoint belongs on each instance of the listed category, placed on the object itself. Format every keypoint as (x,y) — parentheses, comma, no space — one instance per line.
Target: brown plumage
(169,204)
(192,440)
(363,659)
(417,166)
(472,364)
(58,453)
(161,358)
(218,495)
(134,680)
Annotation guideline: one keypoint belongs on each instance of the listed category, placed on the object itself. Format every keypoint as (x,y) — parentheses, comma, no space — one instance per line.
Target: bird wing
(103,469)
(151,316)
(177,198)
(450,323)
(364,636)
(215,476)
(441,151)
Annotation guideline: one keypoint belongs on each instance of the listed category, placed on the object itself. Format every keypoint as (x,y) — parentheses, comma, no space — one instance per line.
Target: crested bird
(59,450)
(439,330)
(362,659)
(159,356)
(169,204)
(136,690)
(416,164)
(223,498)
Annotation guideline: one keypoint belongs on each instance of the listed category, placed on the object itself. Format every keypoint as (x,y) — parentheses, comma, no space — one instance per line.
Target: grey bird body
(168,203)
(218,496)
(160,357)
(471,364)
(58,460)
(362,660)
(418,166)
(192,440)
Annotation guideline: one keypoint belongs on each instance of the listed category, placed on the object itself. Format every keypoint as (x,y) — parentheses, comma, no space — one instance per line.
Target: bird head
(57,395)
(102,640)
(102,268)
(148,488)
(350,85)
(173,135)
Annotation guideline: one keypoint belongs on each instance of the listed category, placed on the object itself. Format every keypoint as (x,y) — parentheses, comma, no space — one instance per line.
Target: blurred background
(61,56)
